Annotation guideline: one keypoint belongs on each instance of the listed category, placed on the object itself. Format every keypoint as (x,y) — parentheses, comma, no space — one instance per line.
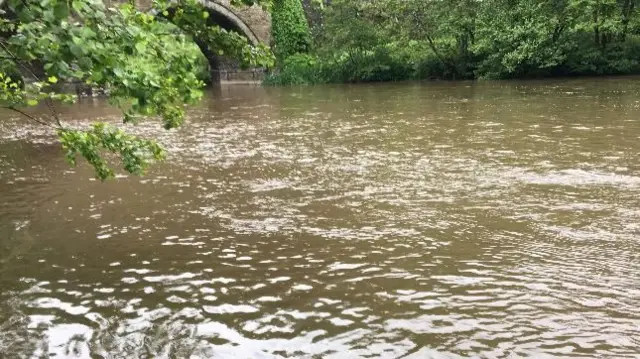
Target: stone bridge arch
(253,22)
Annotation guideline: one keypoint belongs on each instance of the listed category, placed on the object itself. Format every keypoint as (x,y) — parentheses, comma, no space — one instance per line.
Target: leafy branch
(145,65)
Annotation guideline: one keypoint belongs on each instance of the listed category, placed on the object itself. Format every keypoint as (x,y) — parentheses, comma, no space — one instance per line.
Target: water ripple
(392,221)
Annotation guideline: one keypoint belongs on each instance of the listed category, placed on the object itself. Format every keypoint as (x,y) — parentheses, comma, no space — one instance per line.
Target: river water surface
(437,220)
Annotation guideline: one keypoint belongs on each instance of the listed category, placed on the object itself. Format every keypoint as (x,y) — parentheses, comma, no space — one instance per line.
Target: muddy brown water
(438,220)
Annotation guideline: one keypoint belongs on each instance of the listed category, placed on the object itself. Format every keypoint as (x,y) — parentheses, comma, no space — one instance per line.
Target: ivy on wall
(290,29)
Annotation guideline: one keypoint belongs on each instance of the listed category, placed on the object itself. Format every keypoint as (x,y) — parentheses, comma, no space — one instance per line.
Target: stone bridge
(251,21)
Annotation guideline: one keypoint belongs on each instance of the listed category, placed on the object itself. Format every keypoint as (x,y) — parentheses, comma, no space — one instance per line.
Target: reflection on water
(440,220)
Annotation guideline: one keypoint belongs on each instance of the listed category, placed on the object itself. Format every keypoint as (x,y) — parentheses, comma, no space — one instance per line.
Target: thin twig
(31,117)
(17,61)
(49,103)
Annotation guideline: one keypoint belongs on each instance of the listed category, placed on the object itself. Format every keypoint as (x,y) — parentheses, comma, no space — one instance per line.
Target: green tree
(478,38)
(141,60)
(447,28)
(515,40)
(358,43)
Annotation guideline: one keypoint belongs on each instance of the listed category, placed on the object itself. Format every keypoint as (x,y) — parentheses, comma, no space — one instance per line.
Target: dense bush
(366,66)
(298,69)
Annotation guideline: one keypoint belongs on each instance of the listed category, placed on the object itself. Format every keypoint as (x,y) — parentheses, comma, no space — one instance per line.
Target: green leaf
(76,50)
(61,10)
(52,79)
(140,47)
(77,40)
(32,102)
(87,32)
(97,76)
(77,5)
(85,62)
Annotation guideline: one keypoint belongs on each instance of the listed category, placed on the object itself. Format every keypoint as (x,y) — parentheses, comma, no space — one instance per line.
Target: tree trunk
(627,9)
(596,27)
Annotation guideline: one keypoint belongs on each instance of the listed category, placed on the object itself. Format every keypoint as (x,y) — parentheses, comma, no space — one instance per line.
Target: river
(434,220)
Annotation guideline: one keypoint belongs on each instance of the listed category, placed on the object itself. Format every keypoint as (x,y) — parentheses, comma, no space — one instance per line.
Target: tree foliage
(290,29)
(378,40)
(144,62)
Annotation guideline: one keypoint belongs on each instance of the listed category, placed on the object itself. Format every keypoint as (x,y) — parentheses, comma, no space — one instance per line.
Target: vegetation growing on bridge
(290,29)
(146,65)
(385,40)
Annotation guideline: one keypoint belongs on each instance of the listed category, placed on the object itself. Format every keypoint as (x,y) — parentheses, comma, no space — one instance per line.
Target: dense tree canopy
(145,63)
(377,40)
